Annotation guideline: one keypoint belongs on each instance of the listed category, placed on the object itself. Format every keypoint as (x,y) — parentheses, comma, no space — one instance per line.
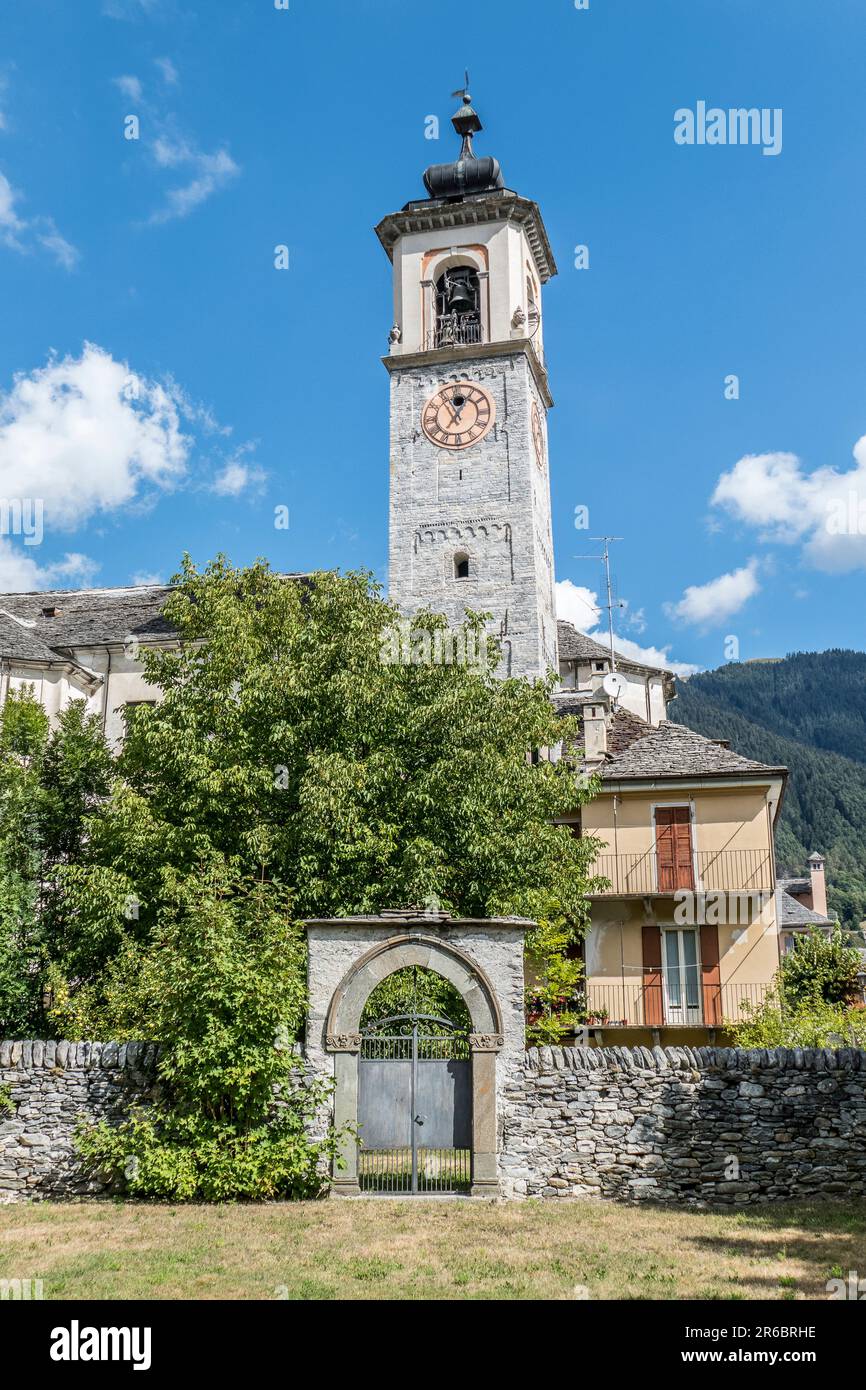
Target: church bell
(460,297)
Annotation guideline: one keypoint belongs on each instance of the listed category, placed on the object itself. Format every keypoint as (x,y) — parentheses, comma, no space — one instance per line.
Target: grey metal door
(414,1106)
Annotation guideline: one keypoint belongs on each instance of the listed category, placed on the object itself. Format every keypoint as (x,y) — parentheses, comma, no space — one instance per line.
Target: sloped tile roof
(92,617)
(624,729)
(576,646)
(18,640)
(791,913)
(672,750)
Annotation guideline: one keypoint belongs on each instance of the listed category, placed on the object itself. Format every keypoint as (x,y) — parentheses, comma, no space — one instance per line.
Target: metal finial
(466,121)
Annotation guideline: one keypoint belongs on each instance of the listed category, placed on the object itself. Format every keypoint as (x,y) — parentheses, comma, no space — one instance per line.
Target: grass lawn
(408,1249)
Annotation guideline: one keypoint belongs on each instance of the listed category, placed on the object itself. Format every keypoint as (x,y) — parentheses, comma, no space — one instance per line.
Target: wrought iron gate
(414,1106)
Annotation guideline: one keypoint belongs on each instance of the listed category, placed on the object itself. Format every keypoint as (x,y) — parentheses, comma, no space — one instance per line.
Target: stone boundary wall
(680,1125)
(687,1125)
(53,1085)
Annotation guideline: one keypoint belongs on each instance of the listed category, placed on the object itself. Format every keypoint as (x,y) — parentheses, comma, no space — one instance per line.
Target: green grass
(369,1249)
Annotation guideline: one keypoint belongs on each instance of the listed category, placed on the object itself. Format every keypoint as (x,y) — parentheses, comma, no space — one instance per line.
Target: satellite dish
(614,685)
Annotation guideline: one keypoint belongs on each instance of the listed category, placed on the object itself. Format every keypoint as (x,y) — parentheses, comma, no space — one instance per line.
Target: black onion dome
(468,174)
(463,177)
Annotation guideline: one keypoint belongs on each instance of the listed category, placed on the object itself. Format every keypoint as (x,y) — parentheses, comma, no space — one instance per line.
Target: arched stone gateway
(481,958)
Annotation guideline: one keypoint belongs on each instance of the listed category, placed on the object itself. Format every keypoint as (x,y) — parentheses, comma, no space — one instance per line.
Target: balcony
(671,1003)
(454,330)
(710,871)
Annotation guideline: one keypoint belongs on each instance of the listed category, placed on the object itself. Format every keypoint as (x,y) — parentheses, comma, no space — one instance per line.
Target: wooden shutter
(674,848)
(653,1003)
(711,979)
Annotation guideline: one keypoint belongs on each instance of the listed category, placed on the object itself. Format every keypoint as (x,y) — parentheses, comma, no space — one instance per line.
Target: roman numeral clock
(470,489)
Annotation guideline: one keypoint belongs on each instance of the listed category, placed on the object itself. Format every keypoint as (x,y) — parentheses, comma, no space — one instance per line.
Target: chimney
(819,885)
(595,732)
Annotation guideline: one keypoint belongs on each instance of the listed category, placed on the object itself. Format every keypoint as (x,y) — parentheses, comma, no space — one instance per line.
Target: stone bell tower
(470,484)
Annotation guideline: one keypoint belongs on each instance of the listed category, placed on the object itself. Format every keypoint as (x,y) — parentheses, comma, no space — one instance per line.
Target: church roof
(43,626)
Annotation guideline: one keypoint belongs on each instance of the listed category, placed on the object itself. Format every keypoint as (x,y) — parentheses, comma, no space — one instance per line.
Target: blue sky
(216,388)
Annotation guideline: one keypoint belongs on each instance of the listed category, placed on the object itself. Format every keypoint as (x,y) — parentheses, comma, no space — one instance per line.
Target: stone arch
(343,1039)
(471,982)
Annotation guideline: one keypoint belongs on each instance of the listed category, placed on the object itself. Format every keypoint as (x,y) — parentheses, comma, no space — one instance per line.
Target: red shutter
(711,976)
(653,1004)
(674,848)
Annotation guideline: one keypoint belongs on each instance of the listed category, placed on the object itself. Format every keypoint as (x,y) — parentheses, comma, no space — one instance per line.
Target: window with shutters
(674,860)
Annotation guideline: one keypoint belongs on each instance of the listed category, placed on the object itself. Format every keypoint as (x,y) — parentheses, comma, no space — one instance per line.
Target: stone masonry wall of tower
(491,502)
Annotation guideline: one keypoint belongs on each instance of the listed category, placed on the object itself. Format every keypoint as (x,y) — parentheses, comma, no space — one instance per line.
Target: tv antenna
(610,605)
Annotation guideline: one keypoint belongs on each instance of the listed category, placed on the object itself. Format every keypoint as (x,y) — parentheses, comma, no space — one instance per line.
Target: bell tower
(470,484)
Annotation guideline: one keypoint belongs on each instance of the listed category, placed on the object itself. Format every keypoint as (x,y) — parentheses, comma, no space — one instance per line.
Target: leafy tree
(289,748)
(820,970)
(221,988)
(49,783)
(809,1023)
(417,990)
(23,732)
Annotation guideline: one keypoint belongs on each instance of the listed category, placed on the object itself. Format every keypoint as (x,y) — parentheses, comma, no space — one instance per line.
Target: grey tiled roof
(17,640)
(672,750)
(791,913)
(795,885)
(84,618)
(576,646)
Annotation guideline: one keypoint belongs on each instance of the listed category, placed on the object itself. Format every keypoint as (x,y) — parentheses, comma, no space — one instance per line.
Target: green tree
(820,969)
(220,987)
(49,783)
(288,747)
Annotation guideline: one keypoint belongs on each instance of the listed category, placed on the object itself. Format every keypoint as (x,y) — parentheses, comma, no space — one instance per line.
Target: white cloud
(168,70)
(236,476)
(130,86)
(86,435)
(146,577)
(580,607)
(210,173)
(710,604)
(19,572)
(649,656)
(823,511)
(25,234)
(576,605)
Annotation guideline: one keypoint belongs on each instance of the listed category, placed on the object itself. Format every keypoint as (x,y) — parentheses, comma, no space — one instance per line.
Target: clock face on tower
(458,415)
(538,435)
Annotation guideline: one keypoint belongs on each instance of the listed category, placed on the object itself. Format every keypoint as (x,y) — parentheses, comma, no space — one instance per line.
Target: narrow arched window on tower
(458,307)
(461,565)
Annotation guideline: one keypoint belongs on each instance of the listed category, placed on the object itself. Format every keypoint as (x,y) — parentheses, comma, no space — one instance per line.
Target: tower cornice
(433,214)
(476,352)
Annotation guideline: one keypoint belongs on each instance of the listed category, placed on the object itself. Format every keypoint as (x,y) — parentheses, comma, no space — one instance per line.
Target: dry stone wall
(680,1125)
(687,1125)
(53,1085)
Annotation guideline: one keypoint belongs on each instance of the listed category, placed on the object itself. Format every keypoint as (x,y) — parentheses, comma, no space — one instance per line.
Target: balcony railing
(711,871)
(454,330)
(657,1005)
